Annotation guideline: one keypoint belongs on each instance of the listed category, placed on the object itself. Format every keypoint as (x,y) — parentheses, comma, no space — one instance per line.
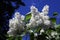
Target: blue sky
(54,6)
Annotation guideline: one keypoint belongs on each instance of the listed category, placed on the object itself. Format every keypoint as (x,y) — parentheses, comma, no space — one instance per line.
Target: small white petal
(39,21)
(45,17)
(30,31)
(45,9)
(37,17)
(41,30)
(53,33)
(22,17)
(46,22)
(35,34)
(42,15)
(17,15)
(34,9)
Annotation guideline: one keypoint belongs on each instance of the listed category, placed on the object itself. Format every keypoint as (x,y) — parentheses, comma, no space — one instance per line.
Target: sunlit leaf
(27,17)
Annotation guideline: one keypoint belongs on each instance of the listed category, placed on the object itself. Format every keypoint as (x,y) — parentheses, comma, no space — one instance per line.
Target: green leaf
(27,17)
(31,36)
(55,14)
(53,20)
(58,29)
(18,38)
(11,38)
(48,31)
(37,29)
(15,38)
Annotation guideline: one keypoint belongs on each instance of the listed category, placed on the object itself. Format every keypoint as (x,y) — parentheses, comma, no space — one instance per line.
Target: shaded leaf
(15,38)
(31,36)
(53,20)
(55,14)
(38,29)
(58,29)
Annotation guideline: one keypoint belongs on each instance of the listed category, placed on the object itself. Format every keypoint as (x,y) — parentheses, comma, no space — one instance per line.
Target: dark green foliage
(37,29)
(15,38)
(58,29)
(41,37)
(53,20)
(31,36)
(55,14)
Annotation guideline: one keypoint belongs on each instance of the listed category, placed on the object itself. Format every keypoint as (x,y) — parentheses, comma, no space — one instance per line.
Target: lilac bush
(37,24)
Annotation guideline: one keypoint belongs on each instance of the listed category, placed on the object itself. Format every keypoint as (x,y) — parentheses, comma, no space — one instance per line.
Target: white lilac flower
(32,19)
(37,17)
(11,22)
(15,24)
(35,34)
(41,31)
(30,31)
(45,9)
(46,17)
(41,15)
(17,15)
(33,9)
(39,22)
(46,22)
(47,37)
(33,23)
(11,32)
(53,34)
(28,25)
(22,17)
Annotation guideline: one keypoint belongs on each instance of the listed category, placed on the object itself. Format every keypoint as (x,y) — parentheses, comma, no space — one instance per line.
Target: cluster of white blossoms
(16,24)
(53,34)
(39,18)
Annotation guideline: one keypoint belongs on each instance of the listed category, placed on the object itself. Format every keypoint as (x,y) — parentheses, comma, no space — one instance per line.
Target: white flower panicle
(16,24)
(53,34)
(33,9)
(45,9)
(39,17)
